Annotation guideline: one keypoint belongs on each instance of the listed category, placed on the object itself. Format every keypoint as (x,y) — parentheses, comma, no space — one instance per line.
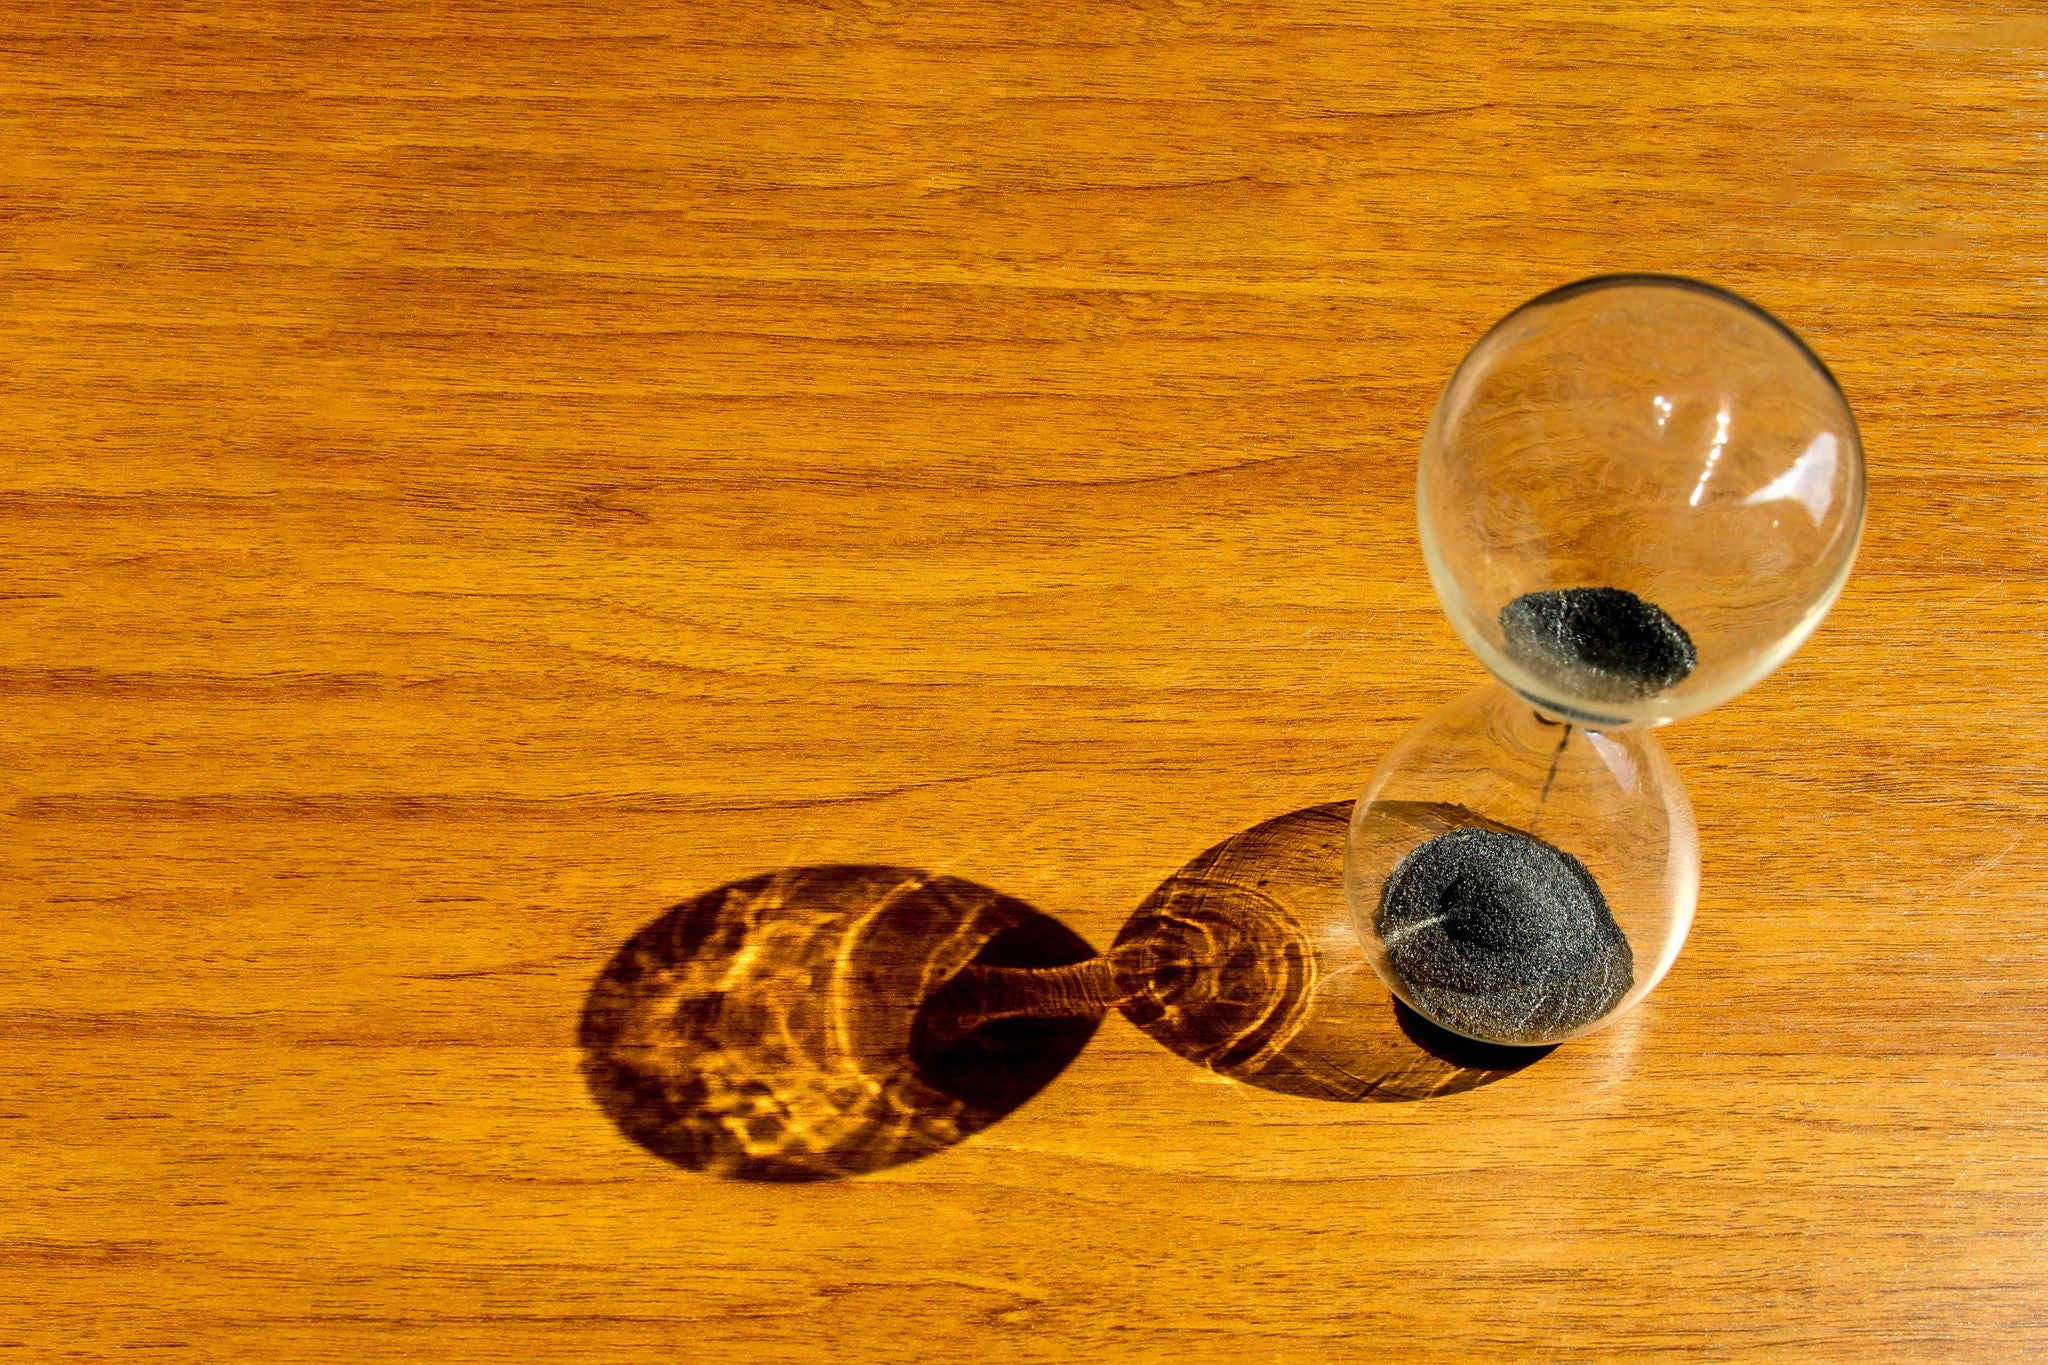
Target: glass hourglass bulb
(1636,497)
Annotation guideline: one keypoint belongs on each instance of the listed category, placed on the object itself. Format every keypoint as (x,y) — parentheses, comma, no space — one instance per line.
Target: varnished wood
(479,476)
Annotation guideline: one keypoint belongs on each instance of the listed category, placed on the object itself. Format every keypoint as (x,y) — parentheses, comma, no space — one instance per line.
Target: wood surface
(479,475)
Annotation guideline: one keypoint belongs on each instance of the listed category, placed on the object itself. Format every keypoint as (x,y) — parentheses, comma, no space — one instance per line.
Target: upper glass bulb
(1638,495)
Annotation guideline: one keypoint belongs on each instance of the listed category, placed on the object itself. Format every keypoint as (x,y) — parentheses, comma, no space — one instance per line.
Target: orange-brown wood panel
(477,476)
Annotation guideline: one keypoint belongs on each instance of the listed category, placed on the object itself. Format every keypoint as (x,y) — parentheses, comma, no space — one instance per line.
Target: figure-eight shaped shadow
(827,1021)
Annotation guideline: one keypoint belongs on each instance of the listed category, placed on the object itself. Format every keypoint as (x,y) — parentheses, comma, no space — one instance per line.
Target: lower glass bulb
(1519,878)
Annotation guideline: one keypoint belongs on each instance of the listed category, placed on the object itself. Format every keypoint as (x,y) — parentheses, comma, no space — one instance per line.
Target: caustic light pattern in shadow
(765,1030)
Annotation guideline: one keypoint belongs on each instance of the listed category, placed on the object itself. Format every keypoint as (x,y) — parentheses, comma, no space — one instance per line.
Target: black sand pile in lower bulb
(1503,937)
(1606,644)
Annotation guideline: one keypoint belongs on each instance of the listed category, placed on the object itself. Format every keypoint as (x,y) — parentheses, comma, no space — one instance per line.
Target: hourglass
(1637,496)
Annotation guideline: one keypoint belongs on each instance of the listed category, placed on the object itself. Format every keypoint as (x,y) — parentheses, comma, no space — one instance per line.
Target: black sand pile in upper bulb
(1603,643)
(1503,937)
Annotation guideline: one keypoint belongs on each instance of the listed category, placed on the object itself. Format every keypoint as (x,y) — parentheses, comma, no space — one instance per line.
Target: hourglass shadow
(828,1021)
(1295,1006)
(765,1029)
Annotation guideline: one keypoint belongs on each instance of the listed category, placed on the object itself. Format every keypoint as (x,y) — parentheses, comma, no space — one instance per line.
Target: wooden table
(478,476)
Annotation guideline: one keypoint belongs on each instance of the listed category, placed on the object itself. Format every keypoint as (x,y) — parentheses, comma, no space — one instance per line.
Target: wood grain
(480,475)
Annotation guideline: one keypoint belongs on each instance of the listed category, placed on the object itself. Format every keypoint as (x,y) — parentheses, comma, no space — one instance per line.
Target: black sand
(1603,643)
(1503,937)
